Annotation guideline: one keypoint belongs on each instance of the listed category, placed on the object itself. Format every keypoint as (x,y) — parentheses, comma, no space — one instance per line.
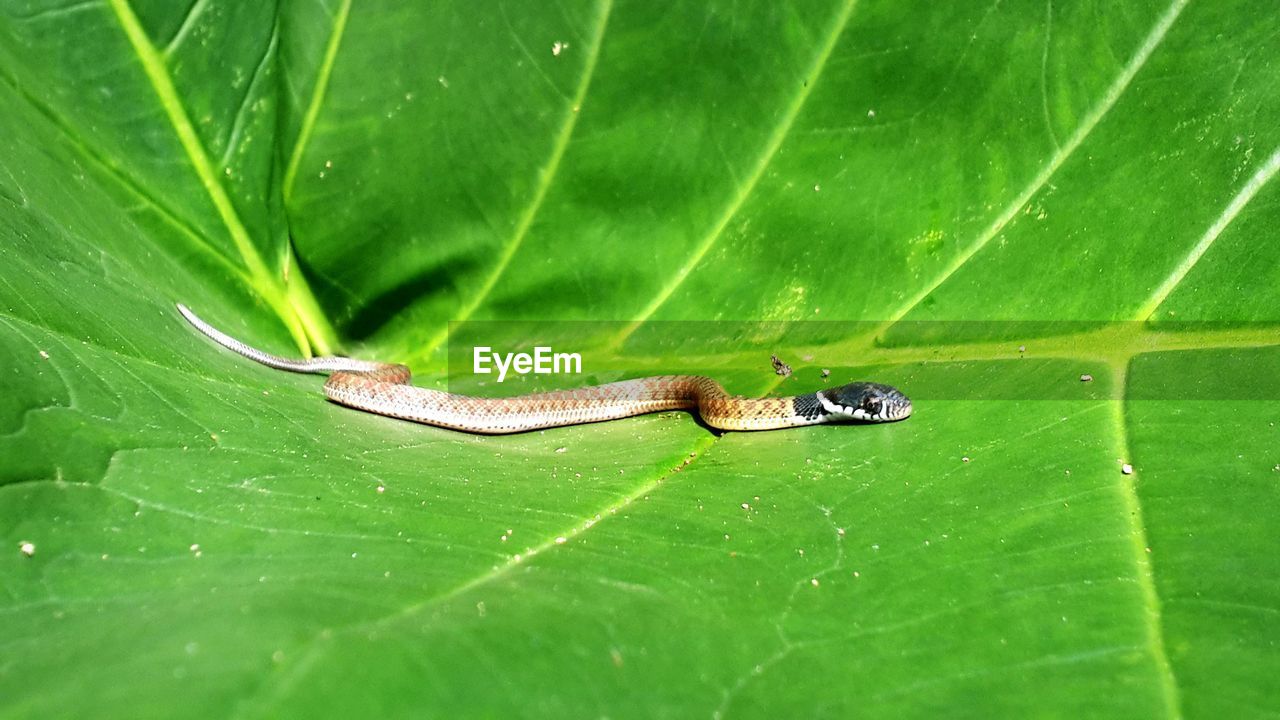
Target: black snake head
(865,401)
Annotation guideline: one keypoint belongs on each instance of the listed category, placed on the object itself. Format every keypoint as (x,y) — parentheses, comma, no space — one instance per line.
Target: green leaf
(978,204)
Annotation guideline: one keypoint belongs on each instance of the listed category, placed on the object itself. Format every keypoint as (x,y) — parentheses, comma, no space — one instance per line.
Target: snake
(385,389)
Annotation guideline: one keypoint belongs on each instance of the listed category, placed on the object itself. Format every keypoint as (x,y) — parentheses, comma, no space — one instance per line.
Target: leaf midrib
(307,326)
(1153,619)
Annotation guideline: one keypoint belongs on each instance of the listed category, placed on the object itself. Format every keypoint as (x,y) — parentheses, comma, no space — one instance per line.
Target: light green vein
(770,150)
(1242,198)
(314,332)
(126,183)
(189,22)
(158,74)
(244,109)
(1152,622)
(319,646)
(548,174)
(1082,131)
(317,97)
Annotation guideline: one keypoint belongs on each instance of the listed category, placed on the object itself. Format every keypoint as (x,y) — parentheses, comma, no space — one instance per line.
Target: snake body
(384,388)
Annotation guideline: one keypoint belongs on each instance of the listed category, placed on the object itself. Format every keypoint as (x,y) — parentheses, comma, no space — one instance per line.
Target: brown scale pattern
(386,391)
(384,388)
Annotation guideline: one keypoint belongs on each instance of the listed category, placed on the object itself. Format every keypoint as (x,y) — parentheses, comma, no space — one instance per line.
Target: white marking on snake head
(832,408)
(840,411)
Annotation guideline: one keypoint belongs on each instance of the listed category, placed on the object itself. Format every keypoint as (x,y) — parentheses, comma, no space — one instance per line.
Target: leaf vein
(314,650)
(1237,204)
(268,286)
(1044,76)
(1082,132)
(770,150)
(130,184)
(246,102)
(540,193)
(193,13)
(1151,606)
(317,97)
(284,683)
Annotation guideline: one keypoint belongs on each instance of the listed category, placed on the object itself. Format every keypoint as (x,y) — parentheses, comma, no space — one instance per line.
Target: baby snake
(384,388)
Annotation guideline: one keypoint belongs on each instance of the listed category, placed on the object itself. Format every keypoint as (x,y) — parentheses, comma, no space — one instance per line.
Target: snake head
(865,401)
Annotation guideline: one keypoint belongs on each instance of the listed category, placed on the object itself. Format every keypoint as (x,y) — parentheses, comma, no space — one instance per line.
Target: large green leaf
(187,533)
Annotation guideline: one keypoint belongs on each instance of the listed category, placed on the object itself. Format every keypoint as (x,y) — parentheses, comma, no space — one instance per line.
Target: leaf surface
(189,533)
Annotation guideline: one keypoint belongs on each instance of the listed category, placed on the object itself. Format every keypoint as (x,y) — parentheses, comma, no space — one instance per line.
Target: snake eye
(872,406)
